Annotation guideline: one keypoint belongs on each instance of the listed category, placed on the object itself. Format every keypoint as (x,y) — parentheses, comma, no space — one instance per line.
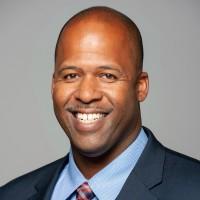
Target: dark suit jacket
(159,174)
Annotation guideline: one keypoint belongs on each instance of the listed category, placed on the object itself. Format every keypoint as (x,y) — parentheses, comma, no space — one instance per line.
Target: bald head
(107,18)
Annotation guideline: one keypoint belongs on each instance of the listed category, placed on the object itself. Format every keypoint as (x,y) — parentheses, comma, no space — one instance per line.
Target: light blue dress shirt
(108,182)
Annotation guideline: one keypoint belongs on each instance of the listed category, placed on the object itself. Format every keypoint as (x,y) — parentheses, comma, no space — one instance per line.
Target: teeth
(88,118)
(84,117)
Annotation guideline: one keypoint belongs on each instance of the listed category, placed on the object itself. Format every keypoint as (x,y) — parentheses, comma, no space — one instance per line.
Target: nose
(88,90)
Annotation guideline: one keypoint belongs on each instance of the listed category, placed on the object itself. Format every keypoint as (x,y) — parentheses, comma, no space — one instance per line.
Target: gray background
(30,135)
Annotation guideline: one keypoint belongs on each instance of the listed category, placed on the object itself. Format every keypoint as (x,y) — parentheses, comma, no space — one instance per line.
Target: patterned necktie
(84,192)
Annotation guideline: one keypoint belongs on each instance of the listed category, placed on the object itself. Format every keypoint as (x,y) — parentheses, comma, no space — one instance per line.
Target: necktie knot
(84,192)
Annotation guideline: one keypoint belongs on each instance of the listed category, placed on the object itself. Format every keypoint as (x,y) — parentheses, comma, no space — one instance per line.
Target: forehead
(92,39)
(92,32)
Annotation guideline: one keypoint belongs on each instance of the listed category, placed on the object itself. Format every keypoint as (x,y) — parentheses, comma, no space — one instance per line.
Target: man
(97,86)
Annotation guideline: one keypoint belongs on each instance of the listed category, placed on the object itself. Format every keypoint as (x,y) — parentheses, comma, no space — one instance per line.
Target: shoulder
(181,167)
(29,180)
(176,176)
(173,161)
(181,176)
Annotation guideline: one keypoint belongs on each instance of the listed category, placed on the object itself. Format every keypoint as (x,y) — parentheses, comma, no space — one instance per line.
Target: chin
(91,151)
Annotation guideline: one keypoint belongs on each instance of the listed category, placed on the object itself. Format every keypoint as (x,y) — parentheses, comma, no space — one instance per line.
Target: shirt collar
(122,165)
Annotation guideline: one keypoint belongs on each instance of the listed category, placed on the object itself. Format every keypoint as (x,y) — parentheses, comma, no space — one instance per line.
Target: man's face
(96,89)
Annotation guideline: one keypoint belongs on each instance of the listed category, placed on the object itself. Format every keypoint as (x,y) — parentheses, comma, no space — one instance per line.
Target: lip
(89,127)
(89,110)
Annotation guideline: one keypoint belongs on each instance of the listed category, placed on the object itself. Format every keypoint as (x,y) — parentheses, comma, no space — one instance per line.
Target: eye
(70,77)
(108,77)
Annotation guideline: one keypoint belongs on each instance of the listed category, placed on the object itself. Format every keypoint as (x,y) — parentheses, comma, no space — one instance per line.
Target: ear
(142,86)
(52,85)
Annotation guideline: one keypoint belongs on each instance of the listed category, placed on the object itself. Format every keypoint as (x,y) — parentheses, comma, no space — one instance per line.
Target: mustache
(79,107)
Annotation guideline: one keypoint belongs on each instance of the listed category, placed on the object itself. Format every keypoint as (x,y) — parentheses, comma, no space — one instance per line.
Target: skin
(96,72)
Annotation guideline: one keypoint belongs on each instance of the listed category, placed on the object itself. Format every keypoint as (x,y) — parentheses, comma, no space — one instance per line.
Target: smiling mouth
(88,117)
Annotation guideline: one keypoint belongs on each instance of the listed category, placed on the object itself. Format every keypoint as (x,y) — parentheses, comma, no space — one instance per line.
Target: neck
(89,166)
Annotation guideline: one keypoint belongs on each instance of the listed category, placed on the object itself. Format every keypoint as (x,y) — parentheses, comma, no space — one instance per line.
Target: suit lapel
(135,189)
(147,172)
(45,185)
(146,175)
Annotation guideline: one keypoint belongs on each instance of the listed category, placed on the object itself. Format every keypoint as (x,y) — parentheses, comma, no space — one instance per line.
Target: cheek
(122,96)
(61,94)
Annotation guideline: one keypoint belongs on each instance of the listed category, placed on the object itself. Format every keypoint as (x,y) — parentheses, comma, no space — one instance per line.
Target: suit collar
(44,187)
(147,172)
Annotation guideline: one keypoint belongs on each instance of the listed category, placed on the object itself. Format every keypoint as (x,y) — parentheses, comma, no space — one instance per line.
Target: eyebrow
(104,67)
(109,68)
(68,67)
